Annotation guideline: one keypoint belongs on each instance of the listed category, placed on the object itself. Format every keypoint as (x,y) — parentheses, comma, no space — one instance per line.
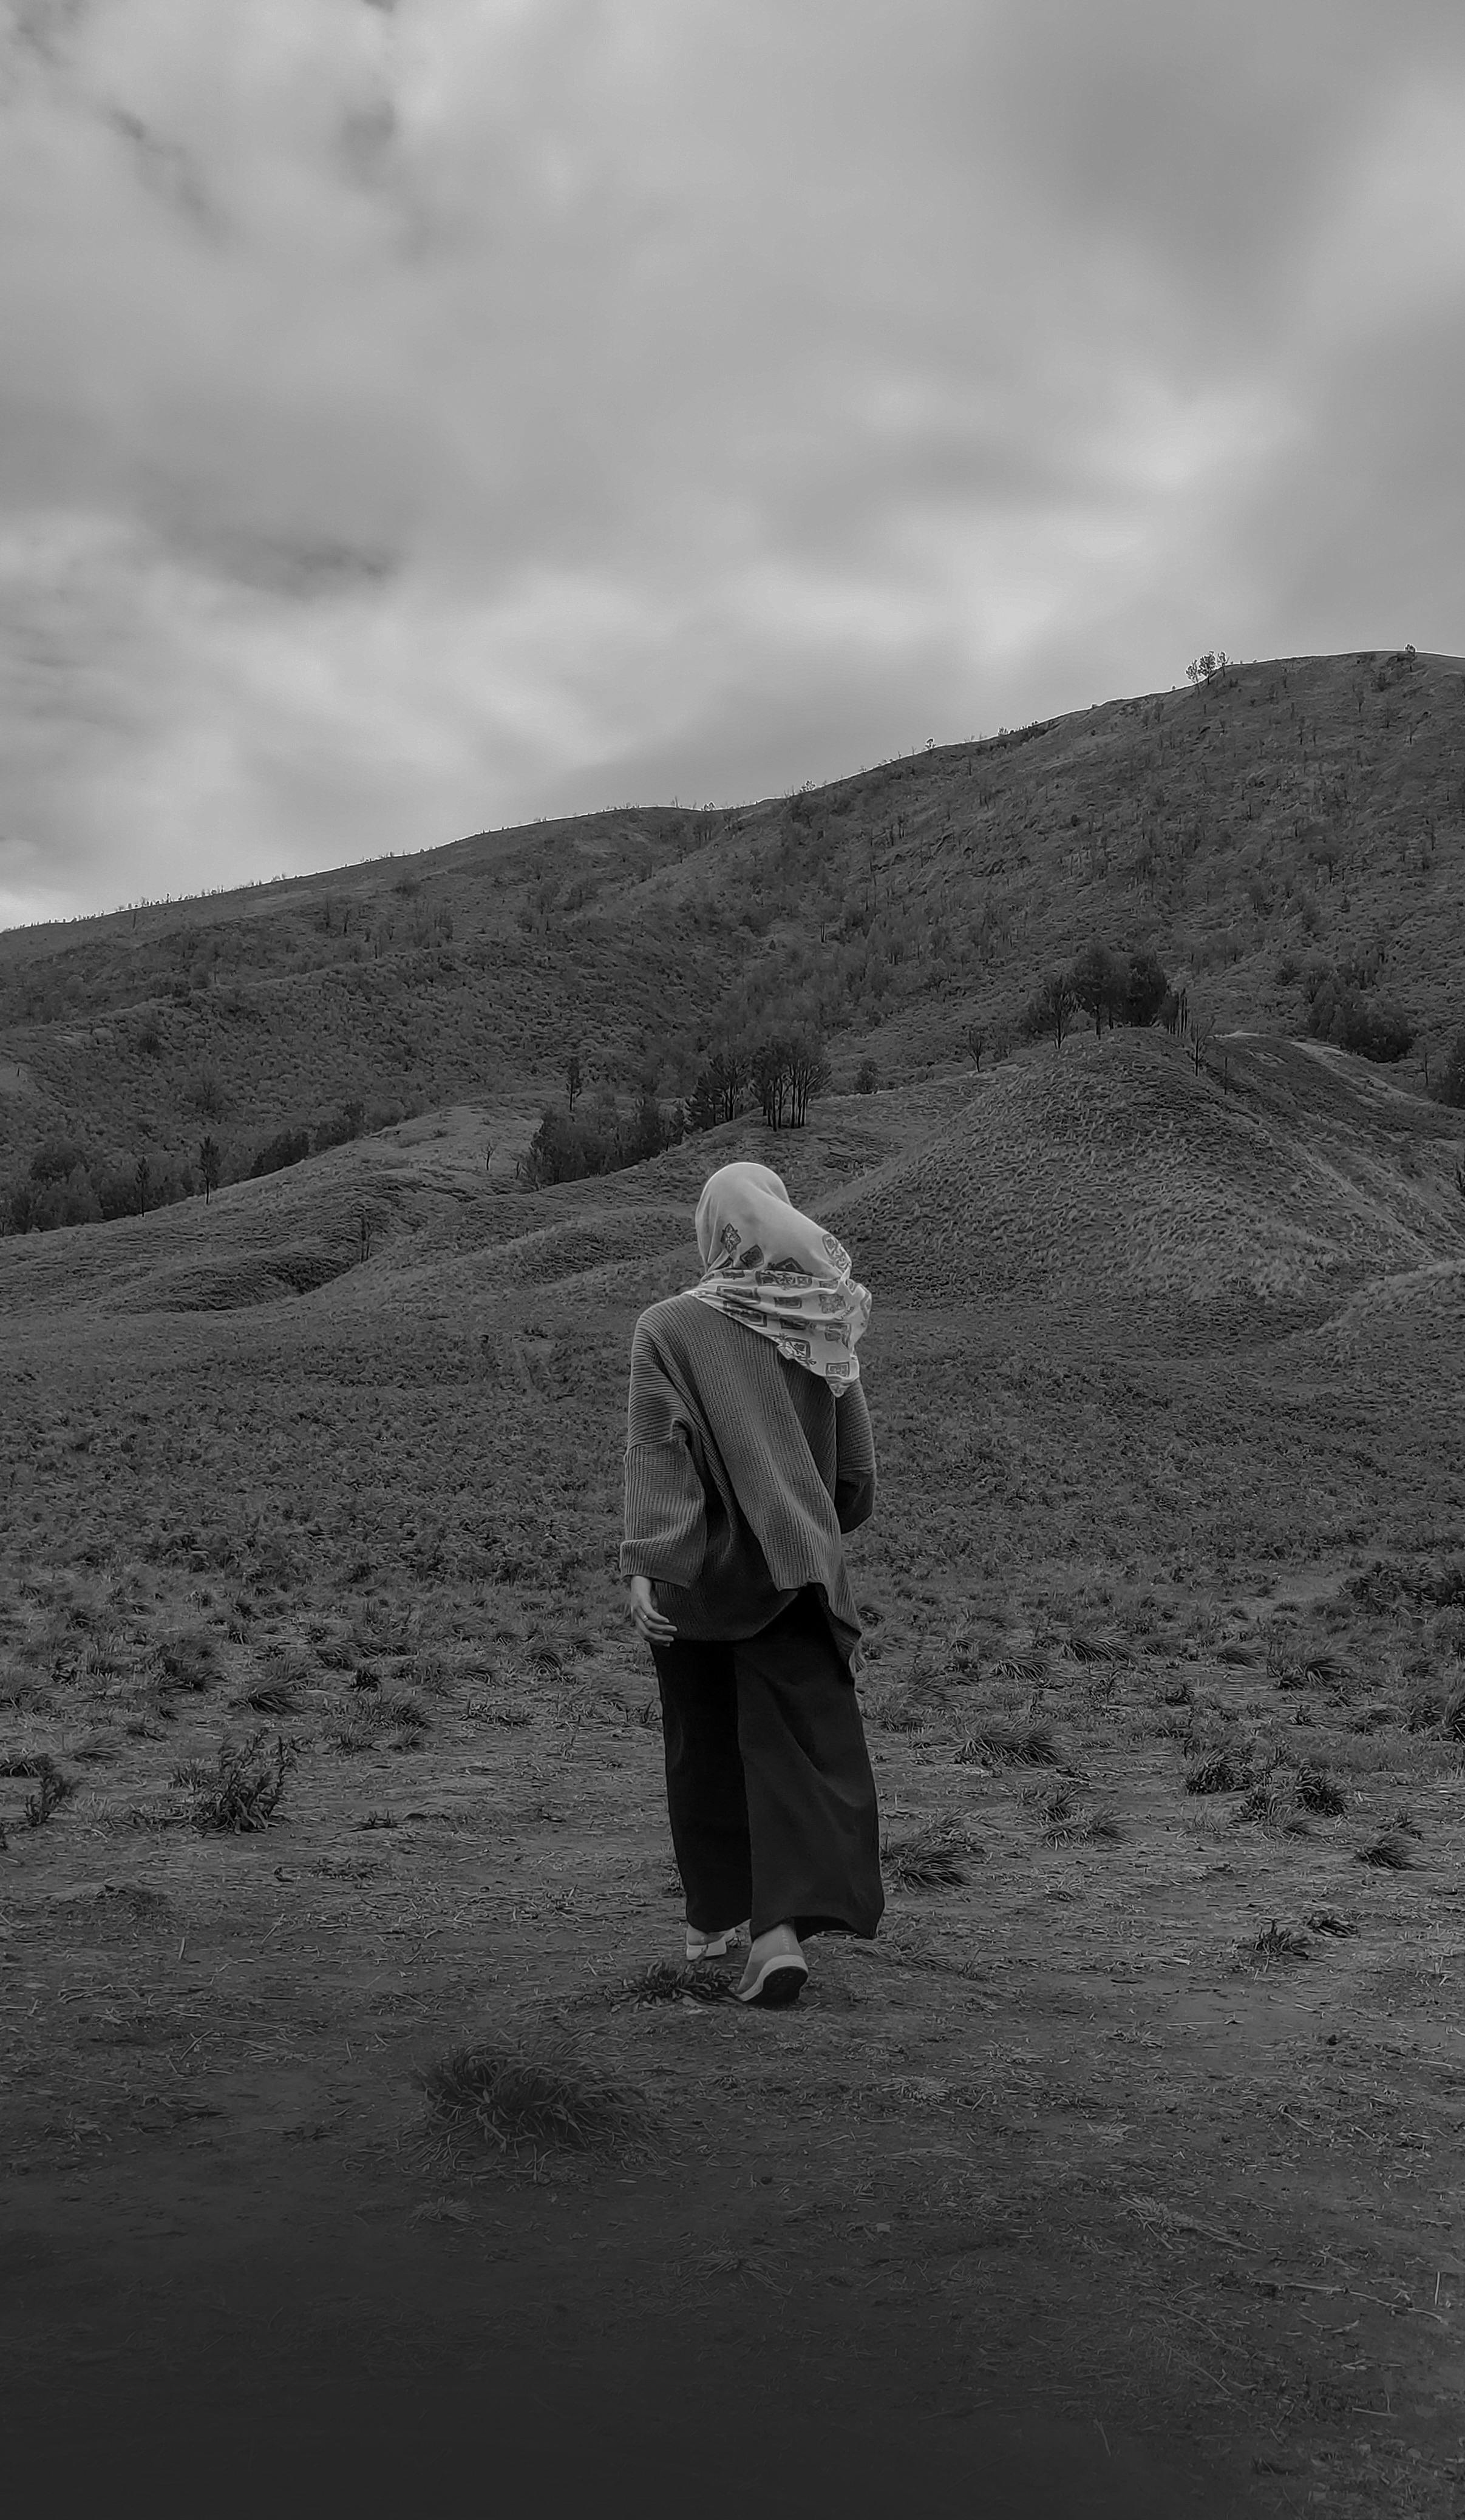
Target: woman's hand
(646,1618)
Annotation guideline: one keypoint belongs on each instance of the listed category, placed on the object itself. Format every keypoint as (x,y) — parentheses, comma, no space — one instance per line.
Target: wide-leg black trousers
(768,1781)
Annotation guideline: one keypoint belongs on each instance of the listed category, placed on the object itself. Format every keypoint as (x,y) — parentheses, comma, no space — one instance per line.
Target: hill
(1302,807)
(325,1746)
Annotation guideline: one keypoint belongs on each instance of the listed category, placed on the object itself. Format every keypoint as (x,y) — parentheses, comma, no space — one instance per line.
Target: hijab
(779,1274)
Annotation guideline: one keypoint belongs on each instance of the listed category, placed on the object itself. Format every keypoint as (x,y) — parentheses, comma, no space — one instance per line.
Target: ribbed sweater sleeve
(855,1460)
(666,1505)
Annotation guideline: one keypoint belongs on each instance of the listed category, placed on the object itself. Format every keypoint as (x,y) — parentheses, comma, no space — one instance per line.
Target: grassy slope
(1307,805)
(1168,1405)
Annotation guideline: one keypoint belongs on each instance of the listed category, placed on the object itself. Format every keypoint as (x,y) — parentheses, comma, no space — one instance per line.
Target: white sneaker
(715,1946)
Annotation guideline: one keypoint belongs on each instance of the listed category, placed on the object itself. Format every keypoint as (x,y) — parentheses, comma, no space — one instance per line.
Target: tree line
(1109,984)
(67,1184)
(781,1073)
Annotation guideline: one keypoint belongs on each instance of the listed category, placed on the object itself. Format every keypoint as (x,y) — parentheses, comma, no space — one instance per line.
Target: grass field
(330,1777)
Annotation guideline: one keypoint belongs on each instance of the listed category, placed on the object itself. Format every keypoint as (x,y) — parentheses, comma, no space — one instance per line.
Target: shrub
(291,1146)
(242,1793)
(563,1148)
(1342,1012)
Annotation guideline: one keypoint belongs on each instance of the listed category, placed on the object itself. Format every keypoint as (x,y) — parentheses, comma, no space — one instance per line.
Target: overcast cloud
(416,418)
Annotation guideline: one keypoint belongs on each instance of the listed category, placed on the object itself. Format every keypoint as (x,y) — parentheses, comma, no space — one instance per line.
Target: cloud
(416,418)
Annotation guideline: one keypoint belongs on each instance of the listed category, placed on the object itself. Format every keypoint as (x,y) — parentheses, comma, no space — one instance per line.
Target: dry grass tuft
(1220,1771)
(1325,1671)
(663,1981)
(502,2100)
(998,1743)
(930,1859)
(1390,1853)
(1317,1791)
(1274,1808)
(1066,1824)
(188,1663)
(1329,1921)
(52,1789)
(1087,1649)
(1028,1669)
(1281,1943)
(271,1700)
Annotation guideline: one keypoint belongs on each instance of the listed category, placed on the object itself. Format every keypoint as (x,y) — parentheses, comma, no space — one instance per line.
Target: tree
(208,1167)
(809,1074)
(141,1175)
(1204,669)
(974,1034)
(771,1067)
(717,1095)
(1049,1007)
(1452,1086)
(573,1079)
(867,1077)
(1096,983)
(1146,988)
(53,1160)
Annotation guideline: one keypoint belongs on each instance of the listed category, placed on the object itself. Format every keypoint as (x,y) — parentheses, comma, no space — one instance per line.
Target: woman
(749,1453)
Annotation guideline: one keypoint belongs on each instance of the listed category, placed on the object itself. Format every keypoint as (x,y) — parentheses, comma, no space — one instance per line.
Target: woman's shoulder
(675,1317)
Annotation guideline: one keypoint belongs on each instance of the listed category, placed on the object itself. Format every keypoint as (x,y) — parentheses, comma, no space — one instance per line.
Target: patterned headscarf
(780,1274)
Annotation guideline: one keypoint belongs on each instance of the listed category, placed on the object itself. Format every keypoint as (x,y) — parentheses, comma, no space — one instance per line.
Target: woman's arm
(665,1511)
(855,1460)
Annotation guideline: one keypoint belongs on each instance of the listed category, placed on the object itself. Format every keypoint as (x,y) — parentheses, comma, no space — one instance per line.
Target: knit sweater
(742,1473)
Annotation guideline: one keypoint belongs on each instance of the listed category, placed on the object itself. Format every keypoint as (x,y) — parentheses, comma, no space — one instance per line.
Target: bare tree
(809,1075)
(973,1035)
(208,1167)
(1052,1007)
(573,1078)
(142,1174)
(1200,1029)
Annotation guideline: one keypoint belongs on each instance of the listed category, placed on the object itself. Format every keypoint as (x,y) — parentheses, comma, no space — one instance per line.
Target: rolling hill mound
(1120,1180)
(1295,808)
(1118,1183)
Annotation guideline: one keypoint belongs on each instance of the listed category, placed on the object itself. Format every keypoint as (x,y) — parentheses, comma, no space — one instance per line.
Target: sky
(422,415)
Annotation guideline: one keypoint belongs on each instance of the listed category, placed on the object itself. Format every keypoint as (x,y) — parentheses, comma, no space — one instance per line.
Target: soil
(1118,2176)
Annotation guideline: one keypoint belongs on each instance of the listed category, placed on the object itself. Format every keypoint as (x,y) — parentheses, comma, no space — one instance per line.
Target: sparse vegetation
(501,2099)
(1166,1390)
(242,1793)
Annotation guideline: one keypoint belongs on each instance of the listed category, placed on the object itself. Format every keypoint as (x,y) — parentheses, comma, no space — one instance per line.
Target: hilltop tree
(142,1173)
(574,1080)
(210,1167)
(1204,669)
(1146,988)
(1097,982)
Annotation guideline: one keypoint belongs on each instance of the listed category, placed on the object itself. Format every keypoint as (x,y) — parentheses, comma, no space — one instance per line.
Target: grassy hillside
(1163,1363)
(1311,806)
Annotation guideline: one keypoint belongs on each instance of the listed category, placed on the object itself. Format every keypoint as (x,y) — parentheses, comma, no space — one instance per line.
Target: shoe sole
(780,1981)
